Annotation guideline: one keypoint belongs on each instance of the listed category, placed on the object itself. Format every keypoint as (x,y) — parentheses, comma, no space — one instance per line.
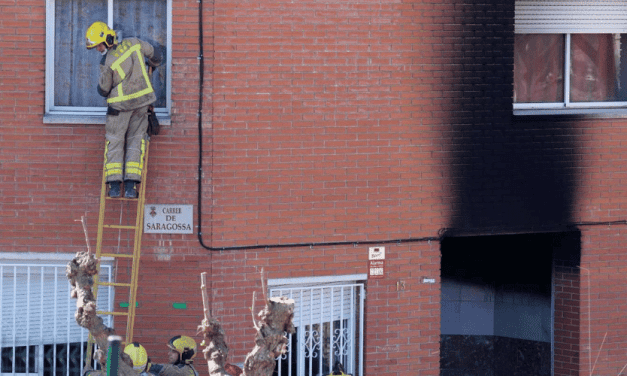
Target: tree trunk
(275,321)
(80,272)
(216,350)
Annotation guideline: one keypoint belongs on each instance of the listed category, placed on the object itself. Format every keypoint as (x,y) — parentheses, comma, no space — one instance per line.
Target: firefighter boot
(114,189)
(130,190)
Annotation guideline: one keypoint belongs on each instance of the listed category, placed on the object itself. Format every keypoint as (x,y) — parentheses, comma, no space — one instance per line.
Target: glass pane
(538,68)
(76,69)
(595,73)
(146,20)
(64,359)
(22,353)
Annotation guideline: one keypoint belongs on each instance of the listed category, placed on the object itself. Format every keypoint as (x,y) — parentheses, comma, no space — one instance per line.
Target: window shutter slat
(319,304)
(35,311)
(577,17)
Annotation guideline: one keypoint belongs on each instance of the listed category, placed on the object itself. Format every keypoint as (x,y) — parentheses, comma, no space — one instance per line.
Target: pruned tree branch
(216,350)
(275,321)
(80,272)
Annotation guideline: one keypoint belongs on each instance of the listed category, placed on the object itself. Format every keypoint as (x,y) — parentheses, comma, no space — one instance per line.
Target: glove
(153,122)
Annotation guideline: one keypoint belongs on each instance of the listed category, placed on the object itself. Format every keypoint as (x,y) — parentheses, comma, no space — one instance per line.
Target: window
(570,57)
(328,317)
(38,332)
(72,71)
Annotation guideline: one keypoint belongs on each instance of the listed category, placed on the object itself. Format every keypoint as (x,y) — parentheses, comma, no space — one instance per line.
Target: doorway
(501,297)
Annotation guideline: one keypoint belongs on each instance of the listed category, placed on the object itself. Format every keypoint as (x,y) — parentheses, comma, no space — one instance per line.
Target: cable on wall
(442,233)
(201,84)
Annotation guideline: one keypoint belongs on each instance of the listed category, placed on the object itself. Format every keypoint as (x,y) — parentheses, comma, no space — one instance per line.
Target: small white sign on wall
(168,219)
(376,262)
(376,253)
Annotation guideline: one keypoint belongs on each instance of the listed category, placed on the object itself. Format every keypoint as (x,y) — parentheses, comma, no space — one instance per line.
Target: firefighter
(181,355)
(125,82)
(136,357)
(139,357)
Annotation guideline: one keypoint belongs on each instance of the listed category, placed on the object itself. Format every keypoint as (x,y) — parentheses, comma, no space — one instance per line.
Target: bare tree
(274,323)
(80,272)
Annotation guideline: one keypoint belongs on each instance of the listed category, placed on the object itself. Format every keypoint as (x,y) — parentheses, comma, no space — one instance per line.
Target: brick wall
(327,121)
(313,102)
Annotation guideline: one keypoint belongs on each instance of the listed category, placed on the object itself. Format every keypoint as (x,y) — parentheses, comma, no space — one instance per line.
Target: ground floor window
(328,318)
(39,334)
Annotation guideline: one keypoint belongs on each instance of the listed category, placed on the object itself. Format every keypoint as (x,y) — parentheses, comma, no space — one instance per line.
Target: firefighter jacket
(179,369)
(124,79)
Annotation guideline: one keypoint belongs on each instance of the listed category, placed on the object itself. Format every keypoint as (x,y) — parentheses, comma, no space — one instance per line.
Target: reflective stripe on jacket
(124,78)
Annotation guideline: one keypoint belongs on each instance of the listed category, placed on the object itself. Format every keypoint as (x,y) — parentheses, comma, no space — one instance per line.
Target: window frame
(95,115)
(356,284)
(566,106)
(558,17)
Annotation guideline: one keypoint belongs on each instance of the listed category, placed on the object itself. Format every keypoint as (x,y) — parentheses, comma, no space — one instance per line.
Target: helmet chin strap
(104,52)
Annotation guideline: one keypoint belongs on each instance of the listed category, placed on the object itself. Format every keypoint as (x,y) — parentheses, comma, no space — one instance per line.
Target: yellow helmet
(138,355)
(98,33)
(185,346)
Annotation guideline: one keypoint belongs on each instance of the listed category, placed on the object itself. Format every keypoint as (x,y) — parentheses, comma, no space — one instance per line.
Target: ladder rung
(115,255)
(114,284)
(112,313)
(119,227)
(136,229)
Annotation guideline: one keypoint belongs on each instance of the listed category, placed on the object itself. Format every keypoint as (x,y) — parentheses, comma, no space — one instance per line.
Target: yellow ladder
(137,228)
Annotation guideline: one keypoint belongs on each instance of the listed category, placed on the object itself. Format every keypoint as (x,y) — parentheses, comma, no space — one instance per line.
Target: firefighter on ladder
(125,82)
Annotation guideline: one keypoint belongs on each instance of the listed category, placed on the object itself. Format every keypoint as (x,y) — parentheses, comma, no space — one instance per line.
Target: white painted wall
(467,308)
(521,313)
(513,311)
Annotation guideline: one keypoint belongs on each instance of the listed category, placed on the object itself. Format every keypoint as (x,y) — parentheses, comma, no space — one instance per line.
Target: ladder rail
(138,232)
(139,220)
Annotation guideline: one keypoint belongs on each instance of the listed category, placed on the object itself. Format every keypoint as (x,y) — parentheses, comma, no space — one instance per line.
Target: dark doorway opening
(502,303)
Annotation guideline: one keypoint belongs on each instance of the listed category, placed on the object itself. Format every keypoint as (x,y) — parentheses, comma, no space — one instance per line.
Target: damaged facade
(306,133)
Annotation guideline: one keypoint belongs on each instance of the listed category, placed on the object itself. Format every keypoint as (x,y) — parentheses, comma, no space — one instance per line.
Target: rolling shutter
(36,308)
(575,17)
(316,304)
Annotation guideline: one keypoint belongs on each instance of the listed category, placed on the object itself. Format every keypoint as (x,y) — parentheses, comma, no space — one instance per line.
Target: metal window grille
(329,330)
(39,335)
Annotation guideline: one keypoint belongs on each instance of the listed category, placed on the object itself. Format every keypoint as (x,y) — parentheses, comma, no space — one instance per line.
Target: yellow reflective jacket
(124,79)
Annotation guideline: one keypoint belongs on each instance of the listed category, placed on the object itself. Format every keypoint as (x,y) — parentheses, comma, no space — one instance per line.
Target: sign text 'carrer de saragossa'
(168,219)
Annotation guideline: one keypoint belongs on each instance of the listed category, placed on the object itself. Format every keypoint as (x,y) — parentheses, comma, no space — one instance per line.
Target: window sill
(56,118)
(577,112)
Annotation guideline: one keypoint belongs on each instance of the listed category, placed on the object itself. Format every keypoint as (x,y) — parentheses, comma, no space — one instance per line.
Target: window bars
(39,335)
(329,330)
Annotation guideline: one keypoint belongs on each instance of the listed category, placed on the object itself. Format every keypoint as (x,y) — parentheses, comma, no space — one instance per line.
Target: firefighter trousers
(125,144)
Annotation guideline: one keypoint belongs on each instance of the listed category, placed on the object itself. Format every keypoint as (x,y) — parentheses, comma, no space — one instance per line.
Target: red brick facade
(331,122)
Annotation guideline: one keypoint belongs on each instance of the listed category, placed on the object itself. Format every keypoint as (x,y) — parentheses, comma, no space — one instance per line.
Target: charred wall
(507,172)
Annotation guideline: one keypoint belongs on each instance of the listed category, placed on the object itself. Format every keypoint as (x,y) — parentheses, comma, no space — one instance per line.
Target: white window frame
(63,327)
(95,115)
(567,17)
(340,290)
